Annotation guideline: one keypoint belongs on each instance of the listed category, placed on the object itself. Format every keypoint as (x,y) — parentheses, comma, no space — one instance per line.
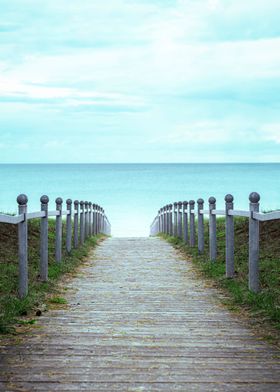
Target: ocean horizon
(132,193)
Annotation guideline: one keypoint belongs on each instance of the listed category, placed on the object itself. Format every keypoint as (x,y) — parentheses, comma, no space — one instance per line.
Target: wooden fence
(178,220)
(86,219)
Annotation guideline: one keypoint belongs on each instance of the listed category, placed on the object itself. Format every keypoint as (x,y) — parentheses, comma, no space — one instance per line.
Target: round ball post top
(59,200)
(76,202)
(200,201)
(81,203)
(86,203)
(170,206)
(185,203)
(175,204)
(90,203)
(44,199)
(180,204)
(93,205)
(22,199)
(69,202)
(192,202)
(229,198)
(212,200)
(254,197)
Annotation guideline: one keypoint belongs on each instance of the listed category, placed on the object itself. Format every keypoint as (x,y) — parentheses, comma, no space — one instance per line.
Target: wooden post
(229,238)
(76,224)
(179,231)
(159,222)
(86,220)
(212,230)
(103,221)
(82,223)
(44,231)
(94,219)
(98,218)
(58,230)
(185,222)
(175,224)
(170,220)
(254,243)
(167,219)
(200,226)
(90,219)
(192,222)
(69,226)
(22,247)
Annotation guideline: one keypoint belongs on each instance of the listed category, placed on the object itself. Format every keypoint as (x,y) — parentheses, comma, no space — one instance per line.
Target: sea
(131,194)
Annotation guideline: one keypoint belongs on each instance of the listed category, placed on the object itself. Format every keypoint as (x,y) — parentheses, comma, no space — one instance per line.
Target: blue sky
(139,81)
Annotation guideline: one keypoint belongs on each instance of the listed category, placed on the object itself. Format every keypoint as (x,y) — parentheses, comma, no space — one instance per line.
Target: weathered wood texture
(139,319)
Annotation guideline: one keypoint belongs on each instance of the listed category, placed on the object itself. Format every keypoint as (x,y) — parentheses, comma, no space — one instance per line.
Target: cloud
(271,132)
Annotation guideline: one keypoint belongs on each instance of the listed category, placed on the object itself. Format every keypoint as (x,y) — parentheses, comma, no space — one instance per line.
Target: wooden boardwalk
(139,319)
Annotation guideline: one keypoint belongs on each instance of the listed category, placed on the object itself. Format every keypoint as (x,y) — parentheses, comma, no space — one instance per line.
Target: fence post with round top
(22,246)
(90,219)
(229,237)
(212,229)
(86,219)
(192,222)
(44,228)
(82,222)
(185,222)
(167,219)
(179,231)
(76,224)
(200,226)
(254,243)
(69,225)
(58,230)
(170,220)
(175,224)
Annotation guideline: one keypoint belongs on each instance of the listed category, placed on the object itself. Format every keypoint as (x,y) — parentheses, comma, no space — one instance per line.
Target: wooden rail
(90,220)
(179,221)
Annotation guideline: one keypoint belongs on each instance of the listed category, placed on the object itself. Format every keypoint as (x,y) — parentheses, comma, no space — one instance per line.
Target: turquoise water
(132,193)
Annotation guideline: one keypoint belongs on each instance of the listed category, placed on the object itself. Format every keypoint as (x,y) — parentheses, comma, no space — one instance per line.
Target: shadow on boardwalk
(139,320)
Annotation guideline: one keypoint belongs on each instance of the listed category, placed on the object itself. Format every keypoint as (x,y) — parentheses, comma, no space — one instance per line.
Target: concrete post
(82,222)
(103,221)
(175,224)
(44,230)
(90,219)
(212,230)
(22,247)
(180,228)
(159,223)
(185,222)
(58,230)
(200,226)
(86,220)
(229,238)
(167,219)
(76,224)
(192,222)
(170,220)
(98,218)
(254,243)
(69,226)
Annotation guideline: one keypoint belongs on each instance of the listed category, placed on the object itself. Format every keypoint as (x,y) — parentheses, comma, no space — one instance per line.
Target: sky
(139,81)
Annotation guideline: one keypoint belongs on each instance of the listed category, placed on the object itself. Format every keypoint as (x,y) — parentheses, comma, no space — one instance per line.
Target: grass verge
(264,307)
(11,307)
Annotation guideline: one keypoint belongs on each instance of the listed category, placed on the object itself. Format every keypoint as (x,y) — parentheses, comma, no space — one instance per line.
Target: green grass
(11,307)
(263,306)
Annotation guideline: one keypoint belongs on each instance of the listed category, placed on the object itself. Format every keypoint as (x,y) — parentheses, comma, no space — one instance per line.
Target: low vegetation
(11,307)
(263,306)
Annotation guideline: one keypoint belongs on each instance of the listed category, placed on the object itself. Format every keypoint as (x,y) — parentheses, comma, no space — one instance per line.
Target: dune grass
(11,307)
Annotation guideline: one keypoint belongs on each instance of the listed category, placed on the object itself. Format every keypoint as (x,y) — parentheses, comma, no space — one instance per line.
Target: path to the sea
(139,319)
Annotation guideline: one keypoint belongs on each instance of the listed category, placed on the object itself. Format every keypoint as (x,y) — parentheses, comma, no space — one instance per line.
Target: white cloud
(271,132)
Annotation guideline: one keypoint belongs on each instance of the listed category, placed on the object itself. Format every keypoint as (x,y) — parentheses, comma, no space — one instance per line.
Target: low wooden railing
(89,219)
(178,220)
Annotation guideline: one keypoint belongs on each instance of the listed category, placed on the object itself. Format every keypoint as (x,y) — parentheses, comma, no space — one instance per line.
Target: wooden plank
(218,212)
(246,214)
(14,220)
(34,215)
(53,213)
(274,215)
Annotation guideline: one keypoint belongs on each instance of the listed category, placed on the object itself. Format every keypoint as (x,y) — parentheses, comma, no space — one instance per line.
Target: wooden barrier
(187,232)
(88,224)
